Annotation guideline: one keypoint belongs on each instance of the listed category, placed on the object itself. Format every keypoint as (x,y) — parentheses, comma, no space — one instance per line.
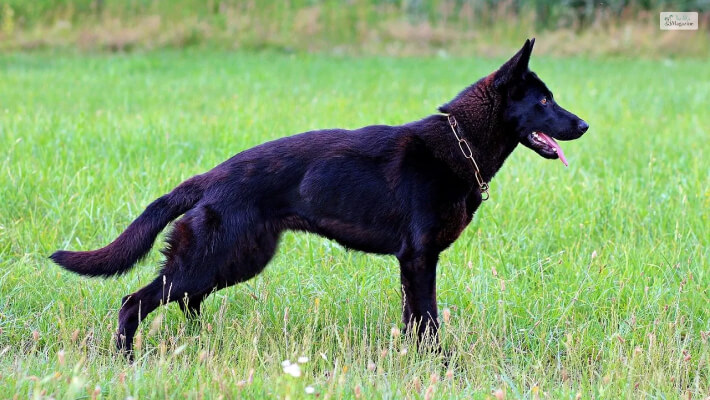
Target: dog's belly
(378,240)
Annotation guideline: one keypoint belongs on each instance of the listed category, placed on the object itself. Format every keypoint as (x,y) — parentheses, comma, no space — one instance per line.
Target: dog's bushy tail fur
(136,241)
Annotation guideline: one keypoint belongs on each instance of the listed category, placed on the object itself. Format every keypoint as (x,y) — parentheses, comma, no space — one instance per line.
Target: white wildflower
(294,370)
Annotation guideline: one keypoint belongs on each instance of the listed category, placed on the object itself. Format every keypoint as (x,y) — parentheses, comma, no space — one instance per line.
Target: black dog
(405,190)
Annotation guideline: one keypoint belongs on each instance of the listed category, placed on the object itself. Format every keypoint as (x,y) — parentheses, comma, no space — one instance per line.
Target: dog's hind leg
(194,253)
(253,252)
(134,308)
(254,249)
(207,250)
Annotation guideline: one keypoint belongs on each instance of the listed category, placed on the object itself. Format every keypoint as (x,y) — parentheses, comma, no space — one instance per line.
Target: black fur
(400,190)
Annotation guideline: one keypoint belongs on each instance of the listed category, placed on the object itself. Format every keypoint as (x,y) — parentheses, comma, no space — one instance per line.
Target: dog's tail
(135,242)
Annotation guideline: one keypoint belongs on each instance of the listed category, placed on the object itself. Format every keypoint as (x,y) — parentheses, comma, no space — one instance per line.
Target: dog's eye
(543,101)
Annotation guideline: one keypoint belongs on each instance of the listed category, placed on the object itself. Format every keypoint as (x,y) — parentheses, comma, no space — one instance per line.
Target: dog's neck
(478,113)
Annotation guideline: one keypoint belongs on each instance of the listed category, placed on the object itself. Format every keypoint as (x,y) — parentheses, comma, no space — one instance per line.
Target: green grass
(591,279)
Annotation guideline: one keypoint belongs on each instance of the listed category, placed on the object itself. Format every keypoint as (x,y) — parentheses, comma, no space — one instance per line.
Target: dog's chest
(455,218)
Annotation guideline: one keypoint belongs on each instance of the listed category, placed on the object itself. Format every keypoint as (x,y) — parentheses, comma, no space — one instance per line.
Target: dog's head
(530,112)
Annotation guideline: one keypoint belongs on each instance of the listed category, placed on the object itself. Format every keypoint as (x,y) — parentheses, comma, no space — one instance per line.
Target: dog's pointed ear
(516,66)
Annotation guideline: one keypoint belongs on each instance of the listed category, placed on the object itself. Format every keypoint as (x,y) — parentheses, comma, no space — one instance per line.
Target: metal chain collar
(468,153)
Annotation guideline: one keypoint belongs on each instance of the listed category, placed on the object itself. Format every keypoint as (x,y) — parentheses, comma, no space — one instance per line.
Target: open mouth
(546,146)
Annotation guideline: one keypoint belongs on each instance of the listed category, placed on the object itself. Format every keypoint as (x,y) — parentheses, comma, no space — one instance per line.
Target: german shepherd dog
(407,190)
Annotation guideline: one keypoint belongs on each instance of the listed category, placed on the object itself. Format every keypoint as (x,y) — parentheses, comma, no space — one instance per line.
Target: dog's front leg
(419,312)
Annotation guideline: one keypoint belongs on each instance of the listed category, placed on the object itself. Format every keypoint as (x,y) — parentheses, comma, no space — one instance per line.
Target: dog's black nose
(583,126)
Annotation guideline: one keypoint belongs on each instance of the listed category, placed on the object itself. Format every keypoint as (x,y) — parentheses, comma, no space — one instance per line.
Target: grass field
(591,280)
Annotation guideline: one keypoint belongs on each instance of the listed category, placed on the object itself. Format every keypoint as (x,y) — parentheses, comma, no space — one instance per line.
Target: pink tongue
(555,146)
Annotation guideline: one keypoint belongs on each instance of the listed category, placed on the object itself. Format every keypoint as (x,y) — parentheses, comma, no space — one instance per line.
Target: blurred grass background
(393,27)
